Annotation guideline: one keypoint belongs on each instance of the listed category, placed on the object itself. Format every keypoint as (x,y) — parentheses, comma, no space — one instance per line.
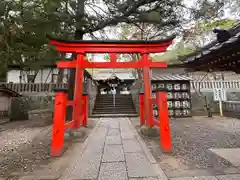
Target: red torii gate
(81,47)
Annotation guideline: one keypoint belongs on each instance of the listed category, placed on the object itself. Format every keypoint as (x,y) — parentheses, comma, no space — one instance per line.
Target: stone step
(111,95)
(112,112)
(222,160)
(115,96)
(111,103)
(4,121)
(116,107)
(123,105)
(120,101)
(116,102)
(111,99)
(113,115)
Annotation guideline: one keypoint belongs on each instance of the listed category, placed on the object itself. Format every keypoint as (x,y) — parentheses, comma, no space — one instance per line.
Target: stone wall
(231,109)
(21,105)
(91,90)
(135,90)
(42,117)
(198,102)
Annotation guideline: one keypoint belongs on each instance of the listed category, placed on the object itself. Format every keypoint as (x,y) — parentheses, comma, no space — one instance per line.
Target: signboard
(219,94)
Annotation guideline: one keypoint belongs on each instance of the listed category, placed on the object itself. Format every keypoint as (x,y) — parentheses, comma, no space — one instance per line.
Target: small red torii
(113,47)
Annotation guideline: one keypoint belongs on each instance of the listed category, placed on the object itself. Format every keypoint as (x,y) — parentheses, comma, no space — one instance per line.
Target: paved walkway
(114,151)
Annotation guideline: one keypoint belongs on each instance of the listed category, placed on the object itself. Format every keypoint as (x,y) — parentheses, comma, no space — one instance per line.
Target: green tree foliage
(173,55)
(25,23)
(23,29)
(222,23)
(182,49)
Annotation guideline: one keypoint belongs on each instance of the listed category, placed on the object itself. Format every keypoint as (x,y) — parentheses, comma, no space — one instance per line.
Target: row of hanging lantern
(174,113)
(178,98)
(175,95)
(170,86)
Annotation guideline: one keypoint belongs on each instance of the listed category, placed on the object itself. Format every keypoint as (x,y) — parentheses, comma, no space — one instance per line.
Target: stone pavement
(219,177)
(114,151)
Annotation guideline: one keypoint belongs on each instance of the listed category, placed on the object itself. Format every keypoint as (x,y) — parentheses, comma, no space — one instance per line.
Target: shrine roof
(113,75)
(170,77)
(5,89)
(113,41)
(212,49)
(42,66)
(212,56)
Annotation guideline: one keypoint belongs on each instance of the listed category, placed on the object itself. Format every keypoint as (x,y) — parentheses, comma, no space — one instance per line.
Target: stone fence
(210,85)
(34,87)
(20,106)
(48,87)
(3,114)
(135,92)
(231,109)
(27,106)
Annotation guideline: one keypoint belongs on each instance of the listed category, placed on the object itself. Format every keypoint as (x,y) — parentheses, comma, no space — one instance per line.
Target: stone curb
(67,173)
(149,155)
(3,122)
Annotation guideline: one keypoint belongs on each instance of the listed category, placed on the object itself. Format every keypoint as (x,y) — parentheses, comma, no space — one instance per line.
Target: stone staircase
(104,105)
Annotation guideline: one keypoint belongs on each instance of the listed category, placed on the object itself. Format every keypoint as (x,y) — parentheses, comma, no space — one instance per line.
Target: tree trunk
(60,76)
(78,36)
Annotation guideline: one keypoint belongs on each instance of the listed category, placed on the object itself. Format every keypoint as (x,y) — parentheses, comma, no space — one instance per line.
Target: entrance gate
(80,63)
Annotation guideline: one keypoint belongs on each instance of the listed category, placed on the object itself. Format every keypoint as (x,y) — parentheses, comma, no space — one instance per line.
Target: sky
(113,31)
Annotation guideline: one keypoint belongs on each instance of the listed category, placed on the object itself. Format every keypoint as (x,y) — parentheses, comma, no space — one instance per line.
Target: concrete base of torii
(149,132)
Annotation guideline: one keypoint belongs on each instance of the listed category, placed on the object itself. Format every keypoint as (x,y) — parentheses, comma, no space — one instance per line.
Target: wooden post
(85,110)
(58,122)
(141,109)
(220,108)
(165,134)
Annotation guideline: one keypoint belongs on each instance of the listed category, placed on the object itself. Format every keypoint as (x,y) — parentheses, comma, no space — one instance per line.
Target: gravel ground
(25,149)
(191,138)
(22,147)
